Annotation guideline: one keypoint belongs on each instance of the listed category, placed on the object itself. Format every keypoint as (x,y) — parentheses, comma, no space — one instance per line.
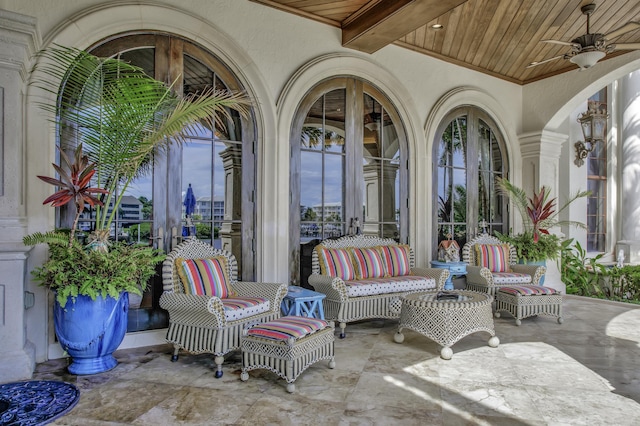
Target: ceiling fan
(589,48)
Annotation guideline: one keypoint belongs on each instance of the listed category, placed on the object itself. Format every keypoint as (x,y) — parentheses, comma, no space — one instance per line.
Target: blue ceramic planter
(91,330)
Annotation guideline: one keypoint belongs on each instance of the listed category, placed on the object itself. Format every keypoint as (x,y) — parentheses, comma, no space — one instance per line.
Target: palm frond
(122,116)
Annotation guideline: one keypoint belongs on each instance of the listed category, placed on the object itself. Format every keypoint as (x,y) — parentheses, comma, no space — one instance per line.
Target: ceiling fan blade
(564,43)
(629,26)
(536,63)
(626,46)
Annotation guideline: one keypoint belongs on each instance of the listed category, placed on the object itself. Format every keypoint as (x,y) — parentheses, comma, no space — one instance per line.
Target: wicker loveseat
(201,323)
(361,285)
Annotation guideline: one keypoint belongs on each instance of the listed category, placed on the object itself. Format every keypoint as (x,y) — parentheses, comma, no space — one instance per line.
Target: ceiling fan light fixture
(587,59)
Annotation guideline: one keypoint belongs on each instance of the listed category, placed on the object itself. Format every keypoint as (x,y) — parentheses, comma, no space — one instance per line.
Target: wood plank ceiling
(496,37)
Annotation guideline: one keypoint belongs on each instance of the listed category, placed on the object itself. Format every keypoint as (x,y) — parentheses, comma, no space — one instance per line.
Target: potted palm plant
(114,118)
(539,214)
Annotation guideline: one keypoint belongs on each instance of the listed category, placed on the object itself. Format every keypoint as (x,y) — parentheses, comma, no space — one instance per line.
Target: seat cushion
(288,327)
(335,262)
(396,259)
(236,308)
(511,278)
(495,257)
(367,263)
(207,276)
(371,286)
(528,290)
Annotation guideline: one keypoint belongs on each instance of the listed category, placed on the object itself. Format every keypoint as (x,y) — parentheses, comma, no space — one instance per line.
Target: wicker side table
(447,321)
(287,358)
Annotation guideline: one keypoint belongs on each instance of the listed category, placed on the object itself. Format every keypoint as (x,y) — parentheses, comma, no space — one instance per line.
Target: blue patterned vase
(91,330)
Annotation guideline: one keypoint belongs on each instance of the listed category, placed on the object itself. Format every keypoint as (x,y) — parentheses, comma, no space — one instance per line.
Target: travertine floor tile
(585,371)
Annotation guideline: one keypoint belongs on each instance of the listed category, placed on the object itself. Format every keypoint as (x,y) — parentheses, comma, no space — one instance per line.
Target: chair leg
(342,327)
(174,357)
(219,360)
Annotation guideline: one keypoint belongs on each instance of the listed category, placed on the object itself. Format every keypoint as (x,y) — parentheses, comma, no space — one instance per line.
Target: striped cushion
(205,276)
(396,260)
(335,263)
(287,327)
(367,263)
(528,290)
(244,307)
(493,256)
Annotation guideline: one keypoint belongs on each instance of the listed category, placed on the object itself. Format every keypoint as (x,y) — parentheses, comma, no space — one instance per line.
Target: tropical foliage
(546,248)
(72,270)
(539,214)
(122,116)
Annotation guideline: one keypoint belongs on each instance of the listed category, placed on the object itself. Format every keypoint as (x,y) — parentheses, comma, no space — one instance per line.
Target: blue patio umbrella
(190,207)
(189,202)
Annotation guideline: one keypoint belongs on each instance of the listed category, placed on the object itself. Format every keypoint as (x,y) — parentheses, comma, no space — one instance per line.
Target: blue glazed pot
(91,330)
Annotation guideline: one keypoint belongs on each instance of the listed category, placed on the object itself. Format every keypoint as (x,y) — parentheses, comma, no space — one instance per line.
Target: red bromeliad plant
(539,214)
(540,210)
(74,185)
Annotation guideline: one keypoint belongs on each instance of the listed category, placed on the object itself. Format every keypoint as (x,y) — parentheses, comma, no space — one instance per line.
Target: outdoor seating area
(589,363)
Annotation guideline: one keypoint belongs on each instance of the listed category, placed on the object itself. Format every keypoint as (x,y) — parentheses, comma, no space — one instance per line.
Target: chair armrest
(192,309)
(275,292)
(440,275)
(536,271)
(479,275)
(333,287)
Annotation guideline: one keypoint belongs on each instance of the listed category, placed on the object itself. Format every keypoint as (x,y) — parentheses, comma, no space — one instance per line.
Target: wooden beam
(390,20)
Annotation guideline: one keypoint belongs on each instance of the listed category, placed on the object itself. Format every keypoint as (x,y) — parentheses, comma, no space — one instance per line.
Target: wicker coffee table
(447,321)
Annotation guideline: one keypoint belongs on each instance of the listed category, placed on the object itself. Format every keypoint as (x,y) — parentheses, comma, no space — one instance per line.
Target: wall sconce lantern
(594,124)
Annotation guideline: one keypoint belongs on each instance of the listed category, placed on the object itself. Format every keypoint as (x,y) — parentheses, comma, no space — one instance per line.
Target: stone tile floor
(583,372)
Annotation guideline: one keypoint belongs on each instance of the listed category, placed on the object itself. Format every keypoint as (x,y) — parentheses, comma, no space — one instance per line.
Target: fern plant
(71,270)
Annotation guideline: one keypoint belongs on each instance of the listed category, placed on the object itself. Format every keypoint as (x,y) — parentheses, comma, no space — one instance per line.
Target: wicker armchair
(342,306)
(480,278)
(200,323)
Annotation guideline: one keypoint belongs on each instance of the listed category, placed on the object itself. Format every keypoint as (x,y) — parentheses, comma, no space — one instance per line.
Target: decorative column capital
(543,144)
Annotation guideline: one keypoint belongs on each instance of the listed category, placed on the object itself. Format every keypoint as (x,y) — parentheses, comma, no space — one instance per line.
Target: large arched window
(469,154)
(217,163)
(348,168)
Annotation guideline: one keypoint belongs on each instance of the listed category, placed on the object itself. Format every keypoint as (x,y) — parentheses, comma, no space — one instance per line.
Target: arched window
(348,168)
(468,156)
(217,163)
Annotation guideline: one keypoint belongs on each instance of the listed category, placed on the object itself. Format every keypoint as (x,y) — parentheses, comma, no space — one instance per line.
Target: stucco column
(629,160)
(540,167)
(17,354)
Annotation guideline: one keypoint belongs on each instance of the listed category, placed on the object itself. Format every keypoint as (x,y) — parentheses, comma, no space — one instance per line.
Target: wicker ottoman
(529,300)
(287,346)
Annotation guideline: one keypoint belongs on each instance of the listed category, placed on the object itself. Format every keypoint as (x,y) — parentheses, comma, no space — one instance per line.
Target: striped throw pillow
(335,263)
(287,327)
(205,276)
(367,262)
(396,260)
(493,256)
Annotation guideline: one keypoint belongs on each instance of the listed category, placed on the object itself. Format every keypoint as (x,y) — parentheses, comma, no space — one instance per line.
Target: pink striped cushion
(396,260)
(367,263)
(493,256)
(528,290)
(287,327)
(335,263)
(205,276)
